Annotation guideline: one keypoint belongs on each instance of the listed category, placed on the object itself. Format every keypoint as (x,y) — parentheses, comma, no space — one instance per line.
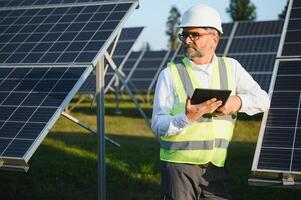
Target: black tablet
(202,95)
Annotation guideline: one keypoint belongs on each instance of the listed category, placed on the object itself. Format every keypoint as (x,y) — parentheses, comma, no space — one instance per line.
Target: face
(199,42)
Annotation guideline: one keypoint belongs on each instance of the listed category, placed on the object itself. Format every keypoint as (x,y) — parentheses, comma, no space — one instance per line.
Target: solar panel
(46,53)
(19,3)
(126,41)
(31,99)
(145,72)
(279,144)
(255,46)
(66,34)
(292,41)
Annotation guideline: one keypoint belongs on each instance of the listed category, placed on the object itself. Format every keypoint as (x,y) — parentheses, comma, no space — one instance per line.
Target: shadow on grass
(111,111)
(65,167)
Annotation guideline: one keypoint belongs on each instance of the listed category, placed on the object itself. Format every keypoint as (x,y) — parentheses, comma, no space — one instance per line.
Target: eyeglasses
(192,35)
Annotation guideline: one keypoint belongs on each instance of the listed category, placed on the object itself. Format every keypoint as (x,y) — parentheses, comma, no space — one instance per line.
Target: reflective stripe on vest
(194,145)
(206,140)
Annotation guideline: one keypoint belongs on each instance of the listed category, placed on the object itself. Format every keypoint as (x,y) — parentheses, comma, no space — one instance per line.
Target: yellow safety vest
(206,140)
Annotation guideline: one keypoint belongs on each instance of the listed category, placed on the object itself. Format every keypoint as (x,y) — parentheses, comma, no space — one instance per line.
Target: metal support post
(101,129)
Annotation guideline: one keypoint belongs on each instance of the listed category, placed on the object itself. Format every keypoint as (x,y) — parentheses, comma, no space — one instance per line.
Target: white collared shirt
(254,99)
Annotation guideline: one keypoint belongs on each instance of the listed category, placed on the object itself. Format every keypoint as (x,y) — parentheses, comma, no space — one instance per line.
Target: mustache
(189,46)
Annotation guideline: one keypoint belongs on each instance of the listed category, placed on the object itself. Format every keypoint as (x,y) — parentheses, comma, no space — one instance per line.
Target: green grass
(65,165)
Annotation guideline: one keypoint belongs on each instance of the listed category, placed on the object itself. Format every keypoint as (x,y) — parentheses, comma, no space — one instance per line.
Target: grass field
(65,165)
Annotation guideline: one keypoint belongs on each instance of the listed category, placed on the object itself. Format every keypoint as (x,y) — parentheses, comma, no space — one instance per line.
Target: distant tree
(173,20)
(148,47)
(241,10)
(283,14)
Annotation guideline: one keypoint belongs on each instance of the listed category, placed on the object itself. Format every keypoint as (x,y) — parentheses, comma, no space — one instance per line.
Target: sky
(153,14)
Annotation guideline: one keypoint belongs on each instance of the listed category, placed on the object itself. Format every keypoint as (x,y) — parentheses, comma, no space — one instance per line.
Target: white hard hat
(201,16)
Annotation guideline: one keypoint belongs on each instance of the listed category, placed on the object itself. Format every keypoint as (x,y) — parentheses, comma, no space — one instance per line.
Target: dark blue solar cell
(84,36)
(10,47)
(3,96)
(74,73)
(51,37)
(5,72)
(101,35)
(122,7)
(25,47)
(3,144)
(36,37)
(76,46)
(90,9)
(275,159)
(28,28)
(116,16)
(55,73)
(19,73)
(60,27)
(74,10)
(44,28)
(44,85)
(99,17)
(109,25)
(86,57)
(54,99)
(93,46)
(14,99)
(67,18)
(282,117)
(67,57)
(43,114)
(10,129)
(17,38)
(22,114)
(34,99)
(92,26)
(76,27)
(6,111)
(64,85)
(7,37)
(61,10)
(16,58)
(33,58)
(50,57)
(106,8)
(18,148)
(52,19)
(4,57)
(59,46)
(83,18)
(42,47)
(26,85)
(31,131)
(37,20)
(67,36)
(37,73)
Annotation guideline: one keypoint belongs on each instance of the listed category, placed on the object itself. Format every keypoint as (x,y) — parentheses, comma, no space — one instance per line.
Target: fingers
(194,112)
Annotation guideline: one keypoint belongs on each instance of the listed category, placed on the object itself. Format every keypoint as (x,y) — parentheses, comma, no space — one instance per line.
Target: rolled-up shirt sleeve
(254,99)
(163,123)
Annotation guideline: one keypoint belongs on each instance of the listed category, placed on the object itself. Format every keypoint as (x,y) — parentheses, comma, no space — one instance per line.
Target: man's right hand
(194,112)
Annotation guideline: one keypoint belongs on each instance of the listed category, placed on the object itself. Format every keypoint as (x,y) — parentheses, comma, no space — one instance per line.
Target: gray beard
(192,53)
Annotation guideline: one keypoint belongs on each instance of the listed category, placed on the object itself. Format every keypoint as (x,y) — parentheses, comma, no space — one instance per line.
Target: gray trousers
(193,182)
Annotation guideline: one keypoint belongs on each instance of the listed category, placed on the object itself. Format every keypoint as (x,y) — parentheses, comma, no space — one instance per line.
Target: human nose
(187,40)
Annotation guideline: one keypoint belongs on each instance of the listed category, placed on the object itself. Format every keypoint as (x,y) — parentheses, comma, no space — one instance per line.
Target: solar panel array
(125,43)
(71,34)
(253,44)
(148,66)
(279,145)
(30,99)
(46,53)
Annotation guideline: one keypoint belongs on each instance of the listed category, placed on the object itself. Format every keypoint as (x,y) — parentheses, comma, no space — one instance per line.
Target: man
(194,138)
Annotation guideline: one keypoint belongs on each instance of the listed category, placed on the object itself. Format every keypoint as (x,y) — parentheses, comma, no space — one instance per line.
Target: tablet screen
(202,95)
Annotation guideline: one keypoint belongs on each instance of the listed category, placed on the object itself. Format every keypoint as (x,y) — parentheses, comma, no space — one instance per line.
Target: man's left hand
(232,105)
